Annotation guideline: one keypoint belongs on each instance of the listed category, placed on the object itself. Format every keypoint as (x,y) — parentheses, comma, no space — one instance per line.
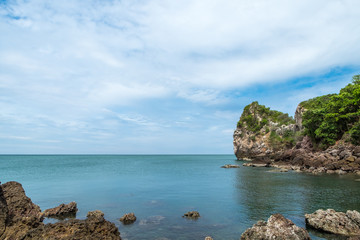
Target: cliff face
(271,137)
(261,131)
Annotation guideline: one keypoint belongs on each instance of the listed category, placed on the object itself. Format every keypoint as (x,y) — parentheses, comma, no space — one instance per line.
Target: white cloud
(62,62)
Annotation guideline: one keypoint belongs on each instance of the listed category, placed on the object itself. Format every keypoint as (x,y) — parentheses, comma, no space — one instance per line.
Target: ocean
(159,189)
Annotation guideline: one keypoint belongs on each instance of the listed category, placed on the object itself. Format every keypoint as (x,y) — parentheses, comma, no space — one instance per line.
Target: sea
(159,189)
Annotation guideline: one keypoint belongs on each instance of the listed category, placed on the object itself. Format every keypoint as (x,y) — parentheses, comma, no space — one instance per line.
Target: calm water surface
(160,189)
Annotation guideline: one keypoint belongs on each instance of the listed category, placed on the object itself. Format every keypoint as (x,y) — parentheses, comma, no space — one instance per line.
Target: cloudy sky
(159,76)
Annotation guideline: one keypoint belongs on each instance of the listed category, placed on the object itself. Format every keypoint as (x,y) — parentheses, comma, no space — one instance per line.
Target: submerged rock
(151,221)
(277,227)
(192,215)
(128,218)
(92,228)
(335,222)
(256,165)
(62,211)
(230,166)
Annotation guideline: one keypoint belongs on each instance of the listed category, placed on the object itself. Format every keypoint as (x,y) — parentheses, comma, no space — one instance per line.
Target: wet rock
(230,166)
(128,218)
(277,227)
(20,218)
(22,213)
(62,211)
(192,215)
(256,165)
(340,172)
(335,222)
(96,216)
(279,170)
(3,212)
(94,227)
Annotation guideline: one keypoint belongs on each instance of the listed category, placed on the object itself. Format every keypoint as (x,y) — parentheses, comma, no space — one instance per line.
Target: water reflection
(263,193)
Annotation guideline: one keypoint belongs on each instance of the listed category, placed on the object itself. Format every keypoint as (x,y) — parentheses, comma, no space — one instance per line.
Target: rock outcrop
(230,166)
(62,211)
(92,228)
(192,215)
(20,218)
(329,220)
(264,137)
(255,130)
(277,227)
(21,213)
(128,218)
(3,212)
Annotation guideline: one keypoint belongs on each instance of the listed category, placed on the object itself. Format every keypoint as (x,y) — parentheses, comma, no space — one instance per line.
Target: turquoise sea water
(160,189)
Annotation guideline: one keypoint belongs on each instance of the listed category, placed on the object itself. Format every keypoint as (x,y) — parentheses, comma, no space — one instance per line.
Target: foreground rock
(128,218)
(62,211)
(94,227)
(230,166)
(192,215)
(21,214)
(20,218)
(277,227)
(329,220)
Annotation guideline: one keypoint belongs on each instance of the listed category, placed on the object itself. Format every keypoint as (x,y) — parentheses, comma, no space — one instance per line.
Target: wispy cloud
(153,63)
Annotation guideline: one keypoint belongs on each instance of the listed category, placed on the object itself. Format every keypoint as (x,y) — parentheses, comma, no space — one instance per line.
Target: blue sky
(167,77)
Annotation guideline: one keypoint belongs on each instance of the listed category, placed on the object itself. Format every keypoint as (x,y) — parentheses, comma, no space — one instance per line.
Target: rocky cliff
(320,137)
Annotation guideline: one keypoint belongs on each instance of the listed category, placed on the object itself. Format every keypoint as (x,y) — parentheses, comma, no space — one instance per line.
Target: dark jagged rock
(92,228)
(230,166)
(128,218)
(329,220)
(277,227)
(22,213)
(192,215)
(62,211)
(21,219)
(3,212)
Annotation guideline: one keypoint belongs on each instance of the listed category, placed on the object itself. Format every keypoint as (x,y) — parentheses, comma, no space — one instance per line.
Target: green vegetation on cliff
(260,120)
(256,116)
(326,119)
(333,117)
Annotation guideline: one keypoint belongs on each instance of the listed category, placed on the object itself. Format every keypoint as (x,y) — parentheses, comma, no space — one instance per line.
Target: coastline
(175,185)
(20,218)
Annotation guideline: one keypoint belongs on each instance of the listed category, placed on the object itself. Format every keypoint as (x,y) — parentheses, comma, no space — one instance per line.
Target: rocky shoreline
(21,219)
(338,159)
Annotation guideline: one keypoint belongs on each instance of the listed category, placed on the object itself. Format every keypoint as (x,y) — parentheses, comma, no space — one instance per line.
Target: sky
(159,76)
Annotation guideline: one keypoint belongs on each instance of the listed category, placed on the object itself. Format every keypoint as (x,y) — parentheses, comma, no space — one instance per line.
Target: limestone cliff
(260,131)
(271,137)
